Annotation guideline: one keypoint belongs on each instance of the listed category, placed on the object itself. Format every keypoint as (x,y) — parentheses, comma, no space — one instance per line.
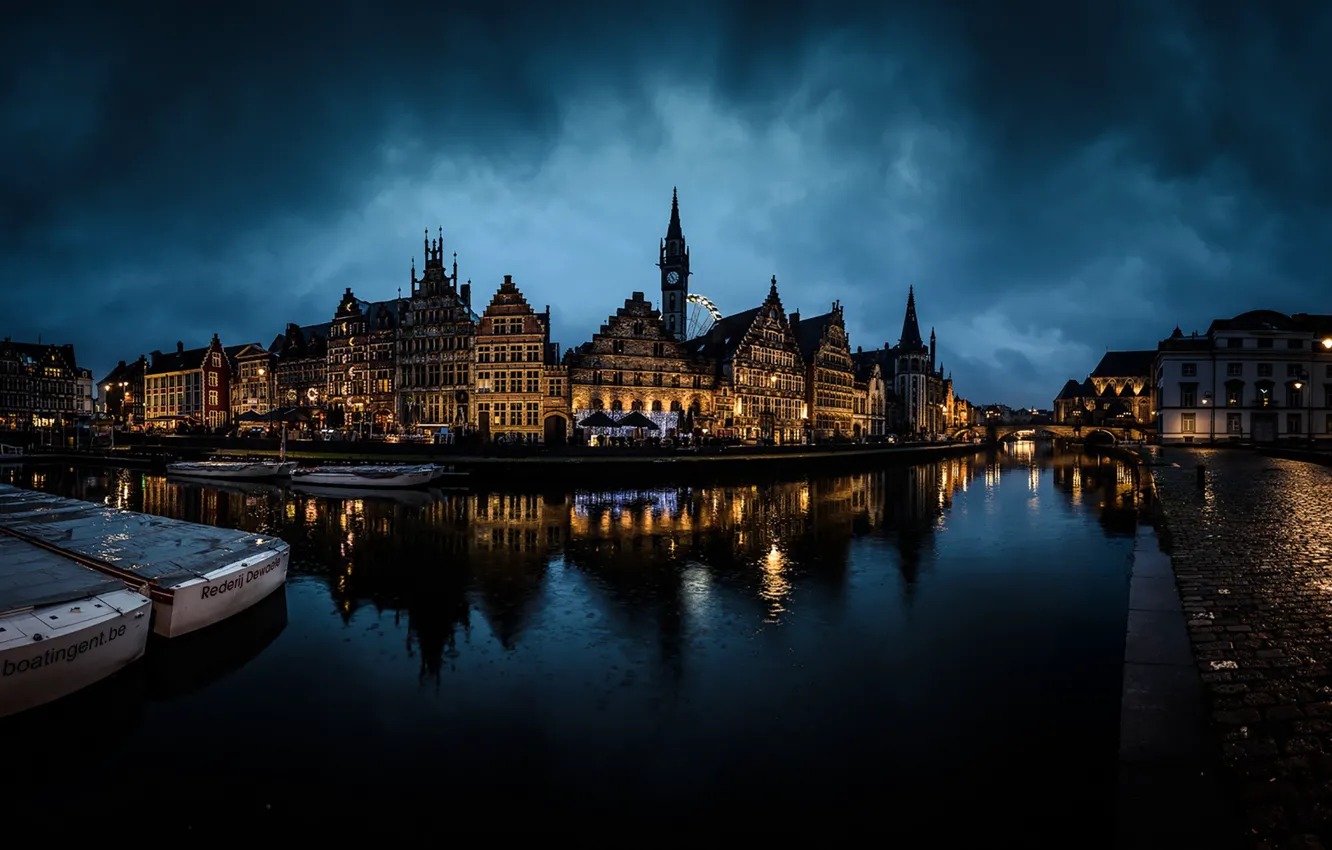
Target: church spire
(673,230)
(910,327)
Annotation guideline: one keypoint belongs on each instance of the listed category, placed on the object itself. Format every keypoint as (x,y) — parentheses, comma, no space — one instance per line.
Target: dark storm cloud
(1053,178)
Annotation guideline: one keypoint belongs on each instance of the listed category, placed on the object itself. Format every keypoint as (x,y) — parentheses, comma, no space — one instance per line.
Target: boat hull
(248,472)
(82,642)
(328,478)
(199,603)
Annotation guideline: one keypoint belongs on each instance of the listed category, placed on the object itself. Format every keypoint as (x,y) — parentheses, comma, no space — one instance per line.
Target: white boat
(196,575)
(392,475)
(63,626)
(230,469)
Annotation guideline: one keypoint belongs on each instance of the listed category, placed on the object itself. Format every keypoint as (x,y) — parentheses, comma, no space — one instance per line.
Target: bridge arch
(1100,435)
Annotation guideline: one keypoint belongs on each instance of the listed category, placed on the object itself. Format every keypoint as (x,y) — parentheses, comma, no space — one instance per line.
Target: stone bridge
(1115,433)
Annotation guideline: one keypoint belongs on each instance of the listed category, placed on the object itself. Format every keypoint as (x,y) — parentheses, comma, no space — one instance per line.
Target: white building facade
(1260,377)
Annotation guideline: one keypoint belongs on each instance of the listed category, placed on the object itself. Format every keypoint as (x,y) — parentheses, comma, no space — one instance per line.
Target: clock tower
(674,265)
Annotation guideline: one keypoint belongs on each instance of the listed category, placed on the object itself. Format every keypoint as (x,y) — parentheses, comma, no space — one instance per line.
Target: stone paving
(1252,553)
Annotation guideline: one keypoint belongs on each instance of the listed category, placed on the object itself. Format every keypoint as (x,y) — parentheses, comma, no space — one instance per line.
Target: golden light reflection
(680,549)
(776,587)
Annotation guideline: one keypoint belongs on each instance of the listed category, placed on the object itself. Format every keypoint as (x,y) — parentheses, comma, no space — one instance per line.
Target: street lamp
(1327,342)
(1211,425)
(1298,384)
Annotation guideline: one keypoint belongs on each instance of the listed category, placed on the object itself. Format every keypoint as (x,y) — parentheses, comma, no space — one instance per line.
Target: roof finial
(427,244)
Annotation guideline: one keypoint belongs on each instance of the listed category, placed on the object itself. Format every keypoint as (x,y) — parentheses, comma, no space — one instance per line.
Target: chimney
(638,296)
(465,293)
(120,365)
(180,347)
(156,355)
(859,350)
(795,318)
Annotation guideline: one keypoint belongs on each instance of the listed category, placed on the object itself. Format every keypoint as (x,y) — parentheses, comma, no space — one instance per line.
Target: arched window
(638,405)
(616,405)
(675,407)
(695,406)
(656,407)
(597,404)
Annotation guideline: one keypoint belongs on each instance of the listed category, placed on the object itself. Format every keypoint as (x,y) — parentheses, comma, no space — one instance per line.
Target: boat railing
(10,450)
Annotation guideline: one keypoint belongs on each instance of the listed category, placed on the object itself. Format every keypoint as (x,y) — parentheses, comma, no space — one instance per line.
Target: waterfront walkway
(1252,555)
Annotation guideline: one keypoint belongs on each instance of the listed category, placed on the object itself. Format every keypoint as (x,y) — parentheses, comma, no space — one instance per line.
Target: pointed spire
(772,292)
(455,268)
(673,230)
(931,333)
(910,327)
(413,269)
(427,245)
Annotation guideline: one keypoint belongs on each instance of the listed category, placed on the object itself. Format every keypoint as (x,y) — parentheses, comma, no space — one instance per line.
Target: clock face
(673,277)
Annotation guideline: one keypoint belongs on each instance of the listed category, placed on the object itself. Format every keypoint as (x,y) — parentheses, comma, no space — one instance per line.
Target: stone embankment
(1250,541)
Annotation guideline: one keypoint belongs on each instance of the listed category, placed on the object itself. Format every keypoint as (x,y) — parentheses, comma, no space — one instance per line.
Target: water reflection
(678,644)
(656,556)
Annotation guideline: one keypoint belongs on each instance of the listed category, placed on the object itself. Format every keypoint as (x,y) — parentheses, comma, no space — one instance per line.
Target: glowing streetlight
(1327,342)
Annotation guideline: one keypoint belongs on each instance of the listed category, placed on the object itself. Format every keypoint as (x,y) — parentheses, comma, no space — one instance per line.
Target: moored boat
(230,469)
(196,575)
(391,475)
(63,626)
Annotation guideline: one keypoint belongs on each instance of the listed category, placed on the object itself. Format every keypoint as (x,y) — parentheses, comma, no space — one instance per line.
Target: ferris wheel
(703,314)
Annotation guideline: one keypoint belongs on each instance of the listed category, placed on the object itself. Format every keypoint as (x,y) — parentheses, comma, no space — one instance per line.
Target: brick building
(39,385)
(253,381)
(301,366)
(122,393)
(760,374)
(362,362)
(513,351)
(636,363)
(435,346)
(830,378)
(192,386)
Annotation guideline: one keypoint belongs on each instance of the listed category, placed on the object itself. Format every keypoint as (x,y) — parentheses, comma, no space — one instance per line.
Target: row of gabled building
(1262,376)
(42,385)
(428,361)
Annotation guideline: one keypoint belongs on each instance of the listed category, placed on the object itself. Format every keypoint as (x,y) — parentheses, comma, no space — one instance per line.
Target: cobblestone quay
(1251,546)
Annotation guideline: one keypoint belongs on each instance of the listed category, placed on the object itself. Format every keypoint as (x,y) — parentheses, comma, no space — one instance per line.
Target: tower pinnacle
(910,327)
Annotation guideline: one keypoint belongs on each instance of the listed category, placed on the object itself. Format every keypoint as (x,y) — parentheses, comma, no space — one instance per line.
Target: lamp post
(1300,381)
(1211,426)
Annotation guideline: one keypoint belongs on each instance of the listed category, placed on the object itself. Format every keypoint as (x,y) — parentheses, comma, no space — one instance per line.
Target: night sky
(1053,178)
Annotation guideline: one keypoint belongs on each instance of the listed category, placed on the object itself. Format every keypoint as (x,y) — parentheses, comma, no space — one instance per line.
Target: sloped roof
(1125,364)
(720,343)
(1254,320)
(1072,390)
(809,333)
(176,361)
(307,334)
(39,352)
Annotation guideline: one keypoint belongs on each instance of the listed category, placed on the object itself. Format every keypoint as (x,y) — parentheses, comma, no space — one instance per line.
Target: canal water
(934,644)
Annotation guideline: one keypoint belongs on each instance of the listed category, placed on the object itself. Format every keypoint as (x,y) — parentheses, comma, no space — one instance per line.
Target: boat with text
(390,475)
(231,470)
(196,575)
(63,625)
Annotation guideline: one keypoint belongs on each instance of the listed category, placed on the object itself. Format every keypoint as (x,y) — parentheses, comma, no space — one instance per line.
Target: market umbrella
(598,419)
(637,420)
(251,416)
